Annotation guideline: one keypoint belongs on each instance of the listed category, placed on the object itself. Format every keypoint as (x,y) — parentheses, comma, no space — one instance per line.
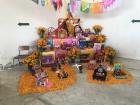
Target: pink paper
(108,3)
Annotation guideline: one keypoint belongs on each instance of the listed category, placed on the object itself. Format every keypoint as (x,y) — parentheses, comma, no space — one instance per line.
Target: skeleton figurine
(100,73)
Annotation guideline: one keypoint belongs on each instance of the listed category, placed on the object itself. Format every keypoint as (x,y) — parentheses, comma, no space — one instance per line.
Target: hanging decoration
(97,7)
(77,5)
(110,4)
(41,2)
(85,6)
(72,2)
(57,4)
(54,3)
(107,3)
(68,7)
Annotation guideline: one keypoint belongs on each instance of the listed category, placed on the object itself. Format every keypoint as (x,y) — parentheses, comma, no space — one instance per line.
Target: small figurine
(62,74)
(118,73)
(100,73)
(117,69)
(79,67)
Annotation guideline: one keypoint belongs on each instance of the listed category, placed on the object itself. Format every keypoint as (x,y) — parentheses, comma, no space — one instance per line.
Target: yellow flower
(73,52)
(101,38)
(97,28)
(109,51)
(41,30)
(41,42)
(31,59)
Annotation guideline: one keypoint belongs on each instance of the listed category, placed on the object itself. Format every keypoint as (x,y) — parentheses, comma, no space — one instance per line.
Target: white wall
(11,35)
(122,34)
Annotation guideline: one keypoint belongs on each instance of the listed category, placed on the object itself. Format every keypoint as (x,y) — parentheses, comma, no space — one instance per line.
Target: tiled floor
(81,93)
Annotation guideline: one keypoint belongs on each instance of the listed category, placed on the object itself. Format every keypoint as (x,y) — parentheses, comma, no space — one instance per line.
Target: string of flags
(85,6)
